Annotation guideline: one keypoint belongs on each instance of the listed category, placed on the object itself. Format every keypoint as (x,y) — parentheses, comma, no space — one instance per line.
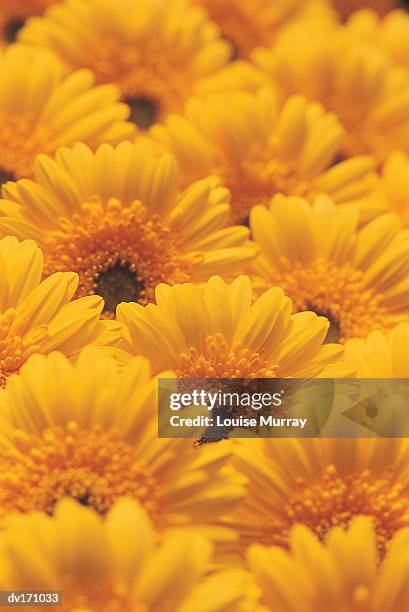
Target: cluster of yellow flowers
(200,188)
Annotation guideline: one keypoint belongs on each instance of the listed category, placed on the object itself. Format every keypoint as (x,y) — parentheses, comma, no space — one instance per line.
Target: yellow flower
(380,355)
(342,574)
(320,483)
(391,33)
(89,431)
(116,564)
(40,316)
(119,219)
(259,147)
(13,14)
(155,51)
(214,331)
(247,25)
(352,78)
(45,110)
(358,278)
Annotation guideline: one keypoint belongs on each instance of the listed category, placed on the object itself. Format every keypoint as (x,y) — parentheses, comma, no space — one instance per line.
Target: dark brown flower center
(334,331)
(12,28)
(6,176)
(84,500)
(144,111)
(118,284)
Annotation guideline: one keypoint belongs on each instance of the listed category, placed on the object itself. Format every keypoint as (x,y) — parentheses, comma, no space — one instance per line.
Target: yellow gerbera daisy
(391,32)
(380,355)
(44,110)
(321,483)
(38,316)
(341,574)
(214,331)
(119,219)
(155,51)
(358,278)
(247,25)
(260,148)
(115,564)
(89,431)
(13,14)
(352,78)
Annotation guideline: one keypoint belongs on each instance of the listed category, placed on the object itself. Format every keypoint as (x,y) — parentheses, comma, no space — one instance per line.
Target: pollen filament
(102,238)
(94,467)
(220,359)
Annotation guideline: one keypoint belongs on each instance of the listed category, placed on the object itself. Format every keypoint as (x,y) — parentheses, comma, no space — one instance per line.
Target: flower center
(334,500)
(334,331)
(152,82)
(119,252)
(220,359)
(337,293)
(6,176)
(92,466)
(12,28)
(119,284)
(238,27)
(258,178)
(14,349)
(21,139)
(144,111)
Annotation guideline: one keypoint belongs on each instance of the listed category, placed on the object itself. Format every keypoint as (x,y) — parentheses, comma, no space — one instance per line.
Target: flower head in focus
(321,483)
(260,147)
(89,431)
(40,316)
(120,220)
(350,77)
(115,564)
(357,277)
(154,50)
(215,331)
(48,110)
(343,573)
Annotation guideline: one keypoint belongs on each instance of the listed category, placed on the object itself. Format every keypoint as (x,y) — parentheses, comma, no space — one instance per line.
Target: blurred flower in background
(321,483)
(380,355)
(343,573)
(346,7)
(260,147)
(42,109)
(13,14)
(90,562)
(247,25)
(357,278)
(351,77)
(154,50)
(390,33)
